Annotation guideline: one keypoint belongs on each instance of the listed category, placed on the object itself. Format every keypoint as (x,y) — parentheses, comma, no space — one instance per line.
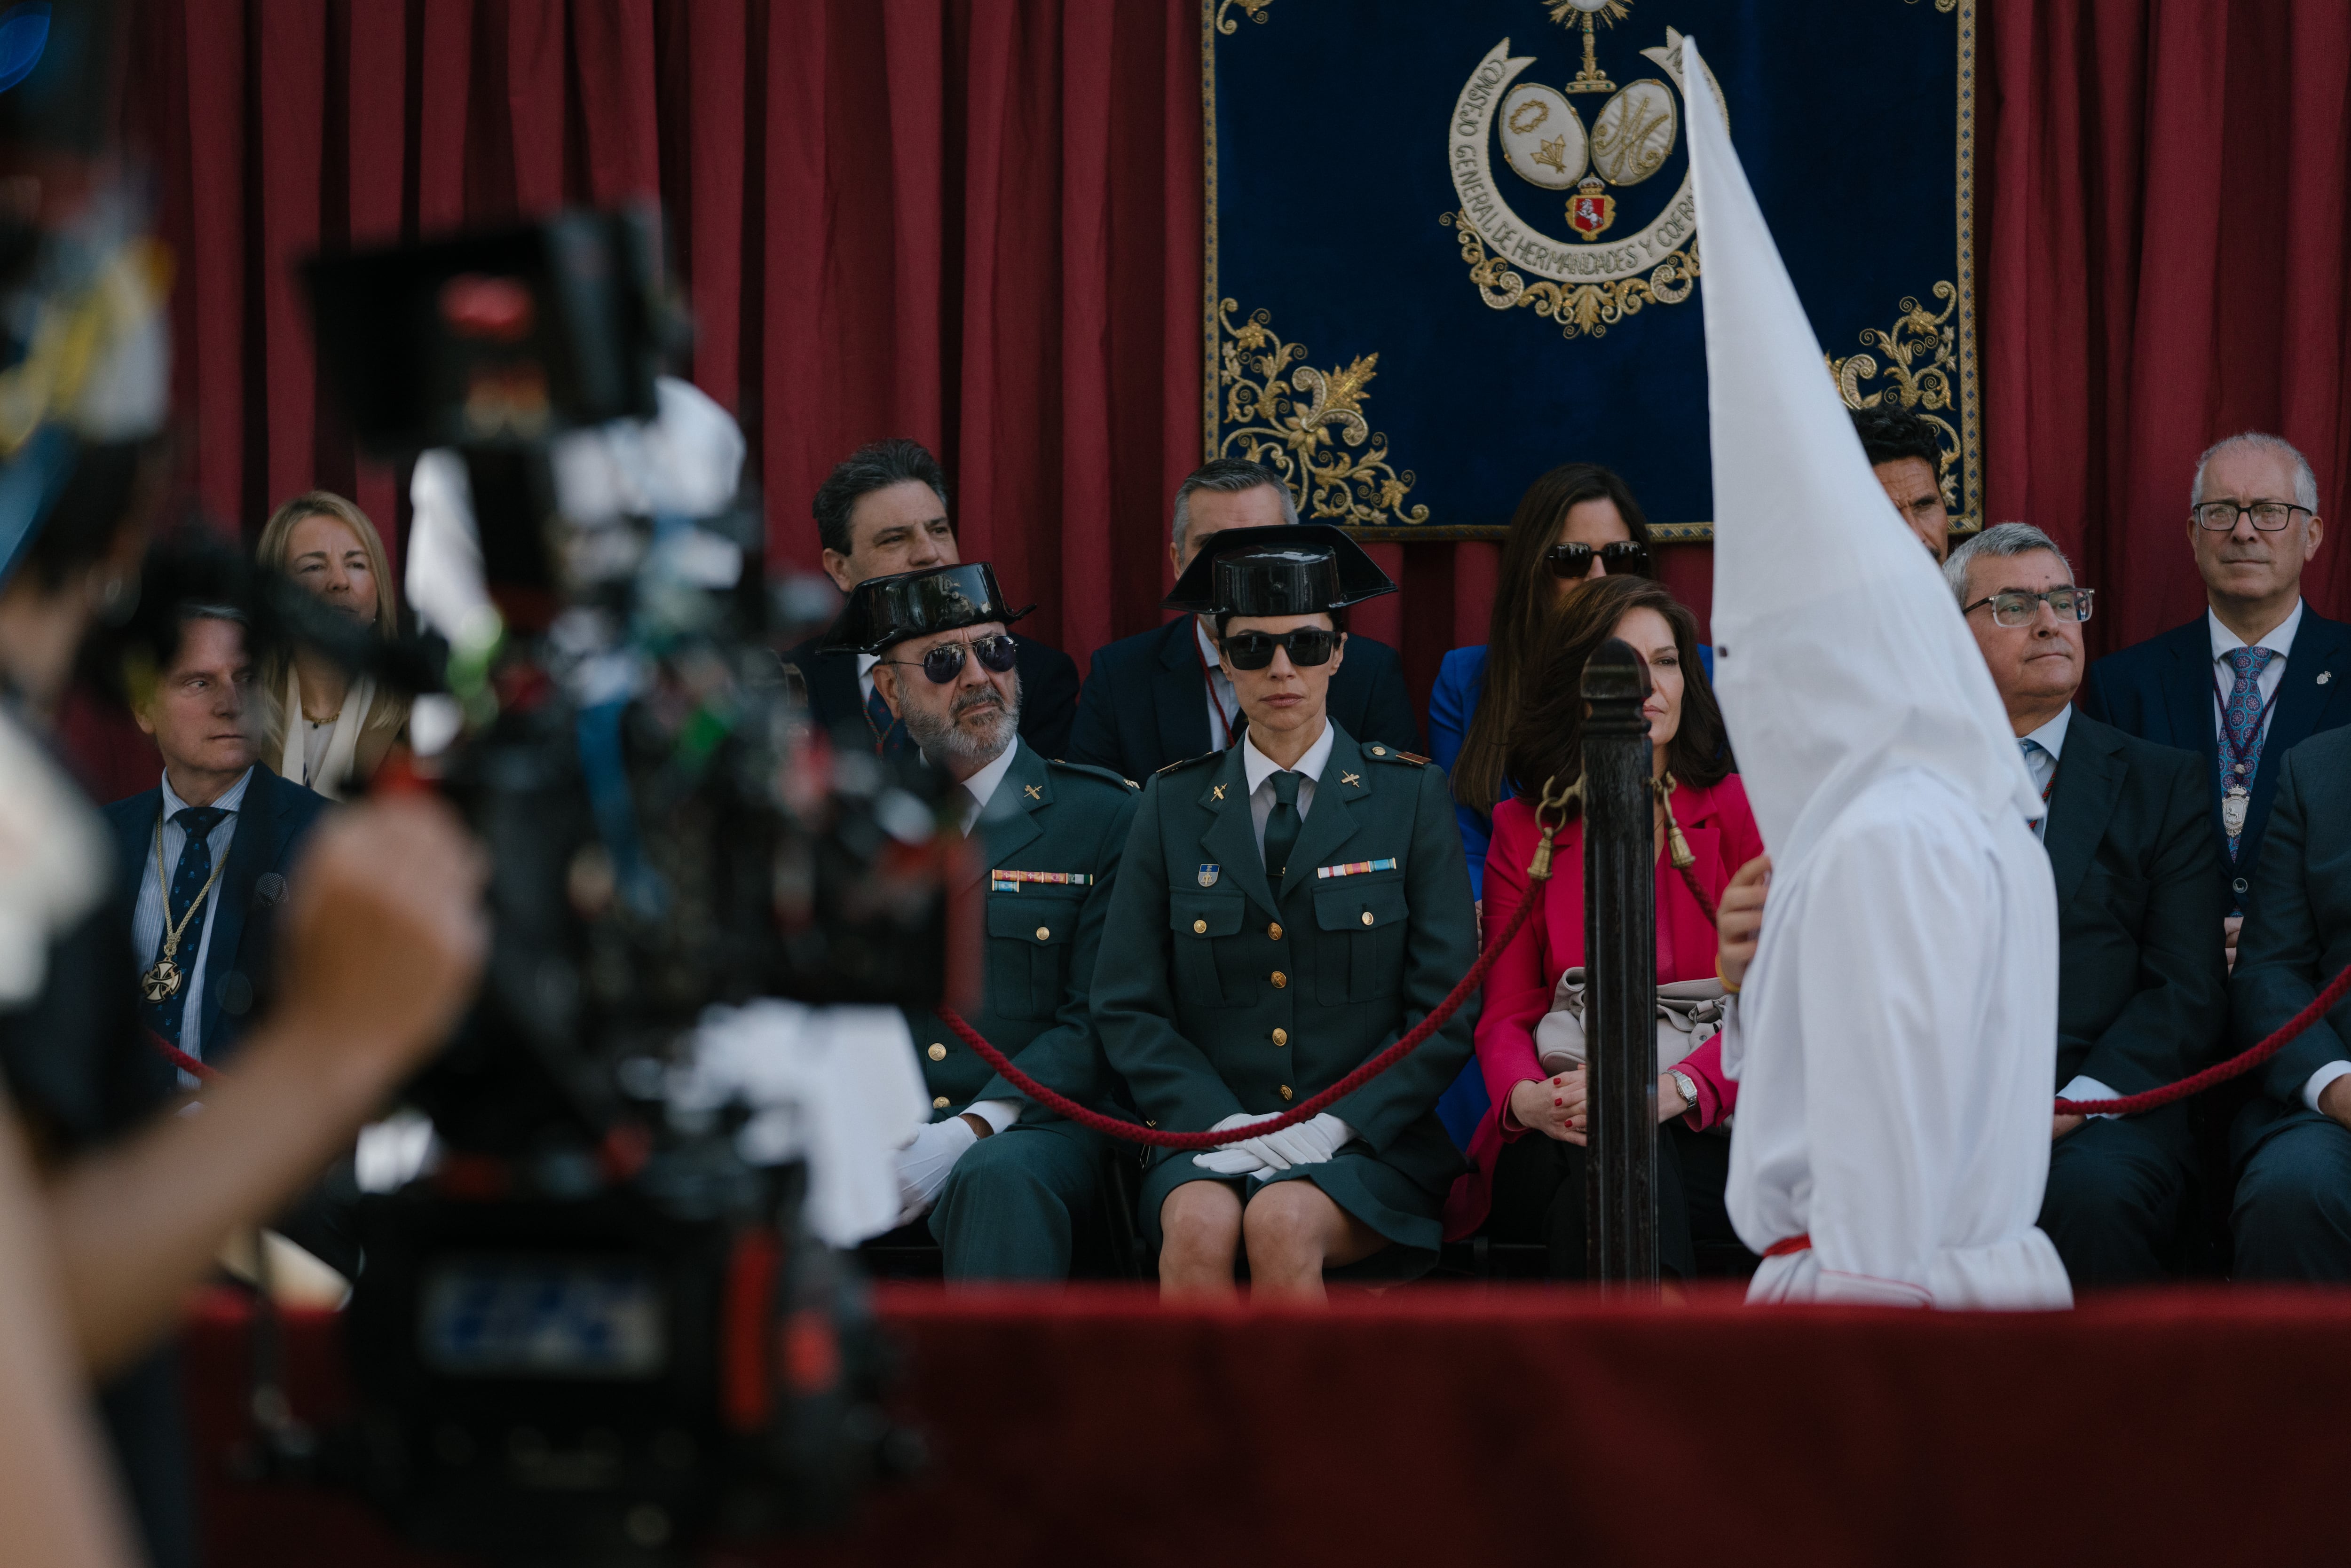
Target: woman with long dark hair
(1576,523)
(1529,1148)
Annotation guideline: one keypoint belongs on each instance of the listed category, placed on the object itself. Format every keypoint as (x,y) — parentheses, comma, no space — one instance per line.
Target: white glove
(1310,1143)
(1233,1159)
(923,1164)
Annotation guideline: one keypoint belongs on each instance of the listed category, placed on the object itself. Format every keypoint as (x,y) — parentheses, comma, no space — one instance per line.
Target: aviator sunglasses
(1254,650)
(1626,558)
(944,663)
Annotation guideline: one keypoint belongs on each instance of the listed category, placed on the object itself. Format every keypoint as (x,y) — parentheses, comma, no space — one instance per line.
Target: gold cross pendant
(1218,791)
(1354,778)
(1034,793)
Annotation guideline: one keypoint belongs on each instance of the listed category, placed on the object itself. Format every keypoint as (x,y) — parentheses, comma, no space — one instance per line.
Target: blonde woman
(326,726)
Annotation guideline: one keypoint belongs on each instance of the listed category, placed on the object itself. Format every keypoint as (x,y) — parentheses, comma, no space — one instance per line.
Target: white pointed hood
(1840,655)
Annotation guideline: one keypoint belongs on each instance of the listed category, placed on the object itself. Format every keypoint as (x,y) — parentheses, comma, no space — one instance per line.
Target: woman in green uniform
(1286,909)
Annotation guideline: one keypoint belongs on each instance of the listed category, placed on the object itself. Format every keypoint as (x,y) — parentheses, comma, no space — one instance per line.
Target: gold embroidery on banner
(1582,310)
(1256,10)
(1590,78)
(1921,374)
(1308,427)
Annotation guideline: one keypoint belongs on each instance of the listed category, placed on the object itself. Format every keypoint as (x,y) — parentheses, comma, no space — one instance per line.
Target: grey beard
(955,746)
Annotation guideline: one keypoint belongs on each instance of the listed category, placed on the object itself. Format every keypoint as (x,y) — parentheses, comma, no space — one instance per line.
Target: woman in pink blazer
(1529,1151)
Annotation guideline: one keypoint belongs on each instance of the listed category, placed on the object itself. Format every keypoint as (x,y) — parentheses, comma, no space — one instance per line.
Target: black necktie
(196,869)
(1281,827)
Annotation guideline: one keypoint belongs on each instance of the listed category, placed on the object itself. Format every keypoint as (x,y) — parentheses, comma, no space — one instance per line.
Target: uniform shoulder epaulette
(1390,754)
(1087,770)
(1192,761)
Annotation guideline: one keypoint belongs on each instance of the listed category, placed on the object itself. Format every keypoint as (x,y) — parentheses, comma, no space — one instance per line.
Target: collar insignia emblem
(1034,793)
(1354,778)
(1218,791)
(1208,876)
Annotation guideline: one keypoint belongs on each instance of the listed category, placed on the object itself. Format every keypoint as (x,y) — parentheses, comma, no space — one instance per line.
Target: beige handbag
(1689,1013)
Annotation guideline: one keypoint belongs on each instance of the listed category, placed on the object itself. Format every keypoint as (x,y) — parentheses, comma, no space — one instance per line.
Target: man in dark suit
(2256,674)
(205,855)
(2293,1143)
(881,511)
(1159,697)
(2142,984)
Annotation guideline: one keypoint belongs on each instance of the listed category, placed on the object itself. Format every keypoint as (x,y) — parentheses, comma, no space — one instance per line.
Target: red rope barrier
(2219,1073)
(1313,1106)
(178,1058)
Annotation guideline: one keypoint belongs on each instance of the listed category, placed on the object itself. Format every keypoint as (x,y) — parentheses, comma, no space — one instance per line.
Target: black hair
(870,468)
(1889,433)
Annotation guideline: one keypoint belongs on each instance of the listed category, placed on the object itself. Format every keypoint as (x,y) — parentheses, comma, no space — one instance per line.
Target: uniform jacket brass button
(1280,979)
(1274,931)
(940,1104)
(1285,1092)
(1199,928)
(1282,1037)
(1367,919)
(1045,931)
(938,1052)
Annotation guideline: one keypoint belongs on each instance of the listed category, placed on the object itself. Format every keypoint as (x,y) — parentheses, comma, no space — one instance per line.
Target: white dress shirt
(865,662)
(1223,703)
(1259,769)
(147,919)
(2041,761)
(2278,641)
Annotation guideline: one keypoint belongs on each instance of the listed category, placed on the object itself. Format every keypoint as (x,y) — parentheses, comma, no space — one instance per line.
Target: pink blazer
(1722,836)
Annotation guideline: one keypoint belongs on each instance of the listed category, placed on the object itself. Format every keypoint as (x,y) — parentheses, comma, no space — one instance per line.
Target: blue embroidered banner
(1452,246)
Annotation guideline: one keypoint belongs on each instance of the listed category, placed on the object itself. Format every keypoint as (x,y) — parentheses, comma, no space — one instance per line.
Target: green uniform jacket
(1220,998)
(1057,818)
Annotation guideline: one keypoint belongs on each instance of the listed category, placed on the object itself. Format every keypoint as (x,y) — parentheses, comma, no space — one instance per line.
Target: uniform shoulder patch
(1192,761)
(1390,754)
(1088,770)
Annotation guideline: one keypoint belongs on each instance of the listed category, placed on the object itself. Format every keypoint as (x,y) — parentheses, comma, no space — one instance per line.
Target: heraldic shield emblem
(1591,210)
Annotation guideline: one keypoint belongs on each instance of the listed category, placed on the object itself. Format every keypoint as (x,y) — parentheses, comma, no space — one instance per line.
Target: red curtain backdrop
(978,223)
(2164,215)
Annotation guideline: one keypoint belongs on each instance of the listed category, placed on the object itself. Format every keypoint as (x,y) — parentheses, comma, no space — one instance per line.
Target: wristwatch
(1688,1086)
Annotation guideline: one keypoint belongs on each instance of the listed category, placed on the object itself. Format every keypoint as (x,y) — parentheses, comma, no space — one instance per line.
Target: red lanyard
(1209,679)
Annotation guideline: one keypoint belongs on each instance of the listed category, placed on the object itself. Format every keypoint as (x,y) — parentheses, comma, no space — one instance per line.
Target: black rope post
(1620,956)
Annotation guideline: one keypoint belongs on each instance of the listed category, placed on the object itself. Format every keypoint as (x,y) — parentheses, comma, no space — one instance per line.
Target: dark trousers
(1539,1198)
(2292,1216)
(2115,1192)
(1013,1202)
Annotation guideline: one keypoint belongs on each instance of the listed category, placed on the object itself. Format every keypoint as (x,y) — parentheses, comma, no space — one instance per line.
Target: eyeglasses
(1626,558)
(2221,517)
(2014,607)
(944,661)
(1254,650)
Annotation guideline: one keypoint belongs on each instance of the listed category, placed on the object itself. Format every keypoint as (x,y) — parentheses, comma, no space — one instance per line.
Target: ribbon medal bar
(1354,868)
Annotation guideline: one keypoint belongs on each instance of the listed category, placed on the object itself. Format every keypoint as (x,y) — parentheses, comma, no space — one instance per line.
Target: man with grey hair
(2258,672)
(1160,697)
(2142,987)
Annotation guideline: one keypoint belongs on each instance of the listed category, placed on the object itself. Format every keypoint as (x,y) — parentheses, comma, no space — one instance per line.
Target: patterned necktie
(2240,723)
(889,733)
(1281,827)
(194,871)
(2030,749)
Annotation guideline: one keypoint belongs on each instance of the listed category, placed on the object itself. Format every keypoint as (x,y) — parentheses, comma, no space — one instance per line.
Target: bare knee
(1289,1229)
(1200,1227)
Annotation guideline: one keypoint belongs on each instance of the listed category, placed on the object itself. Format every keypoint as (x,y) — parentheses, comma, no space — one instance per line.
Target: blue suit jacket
(1142,706)
(270,827)
(2162,690)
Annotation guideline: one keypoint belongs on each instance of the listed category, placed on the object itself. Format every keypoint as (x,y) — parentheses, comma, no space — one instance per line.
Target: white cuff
(998,1113)
(1346,1133)
(2084,1087)
(2316,1084)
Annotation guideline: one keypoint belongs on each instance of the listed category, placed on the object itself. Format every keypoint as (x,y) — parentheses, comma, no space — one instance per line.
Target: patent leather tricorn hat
(1293,569)
(883,612)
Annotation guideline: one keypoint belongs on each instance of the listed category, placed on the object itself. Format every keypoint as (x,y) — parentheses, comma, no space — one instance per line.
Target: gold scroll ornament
(1308,427)
(1921,372)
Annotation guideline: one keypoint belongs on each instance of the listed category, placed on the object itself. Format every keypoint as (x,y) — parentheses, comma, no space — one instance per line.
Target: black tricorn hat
(1293,569)
(883,612)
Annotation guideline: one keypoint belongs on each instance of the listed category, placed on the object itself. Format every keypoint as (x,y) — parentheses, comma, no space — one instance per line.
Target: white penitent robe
(1895,1046)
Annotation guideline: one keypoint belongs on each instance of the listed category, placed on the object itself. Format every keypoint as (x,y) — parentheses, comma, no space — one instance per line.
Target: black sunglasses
(1254,650)
(1626,558)
(944,663)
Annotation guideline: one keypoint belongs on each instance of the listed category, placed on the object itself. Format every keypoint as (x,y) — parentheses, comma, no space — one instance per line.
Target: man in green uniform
(1290,907)
(1004,1181)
